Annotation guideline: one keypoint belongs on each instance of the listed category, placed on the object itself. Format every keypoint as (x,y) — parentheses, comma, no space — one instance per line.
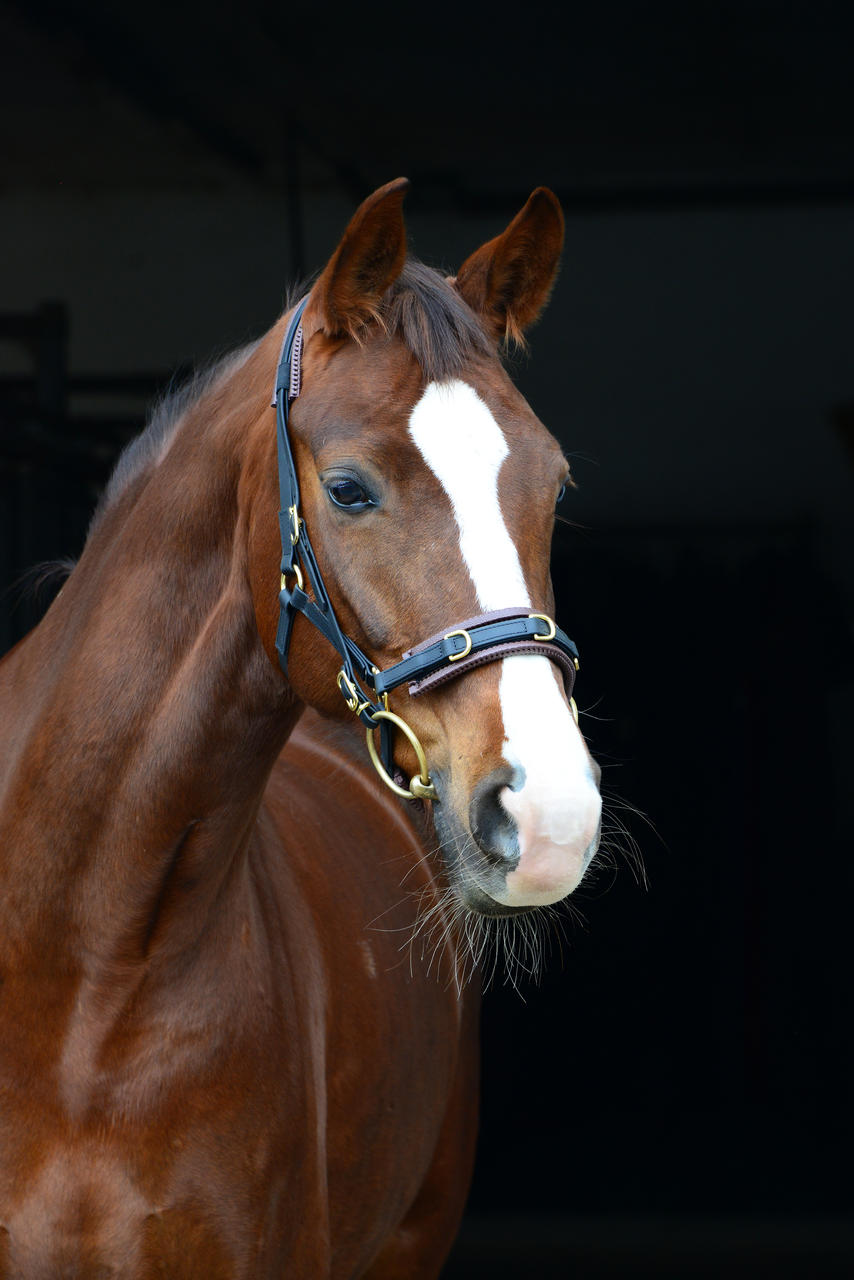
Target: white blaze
(557,809)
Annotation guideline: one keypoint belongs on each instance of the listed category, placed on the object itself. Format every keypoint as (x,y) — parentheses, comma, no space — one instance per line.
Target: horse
(218,1055)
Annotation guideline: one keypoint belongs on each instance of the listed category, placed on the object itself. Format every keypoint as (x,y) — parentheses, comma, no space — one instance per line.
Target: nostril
(491,825)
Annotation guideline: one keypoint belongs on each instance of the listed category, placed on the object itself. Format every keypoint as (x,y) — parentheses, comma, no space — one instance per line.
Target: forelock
(430,317)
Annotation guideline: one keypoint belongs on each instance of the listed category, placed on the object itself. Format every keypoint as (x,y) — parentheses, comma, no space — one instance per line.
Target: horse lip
(456,841)
(474,897)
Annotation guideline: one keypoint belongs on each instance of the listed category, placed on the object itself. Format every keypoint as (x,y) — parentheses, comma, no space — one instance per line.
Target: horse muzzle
(519,847)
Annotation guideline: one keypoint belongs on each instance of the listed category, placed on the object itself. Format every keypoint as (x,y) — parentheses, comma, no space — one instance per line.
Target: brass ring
(455,657)
(297,572)
(552,629)
(420,786)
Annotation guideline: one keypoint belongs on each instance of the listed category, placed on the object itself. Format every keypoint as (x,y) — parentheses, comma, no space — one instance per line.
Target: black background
(674,1097)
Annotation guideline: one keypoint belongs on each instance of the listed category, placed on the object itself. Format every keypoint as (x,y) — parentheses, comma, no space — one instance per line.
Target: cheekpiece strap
(288,380)
(297,551)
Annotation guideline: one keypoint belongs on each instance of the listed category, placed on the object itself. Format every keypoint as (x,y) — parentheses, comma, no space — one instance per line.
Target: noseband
(469,644)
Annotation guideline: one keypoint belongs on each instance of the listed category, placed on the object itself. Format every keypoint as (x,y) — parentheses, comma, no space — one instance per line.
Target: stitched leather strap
(486,638)
(297,551)
(494,653)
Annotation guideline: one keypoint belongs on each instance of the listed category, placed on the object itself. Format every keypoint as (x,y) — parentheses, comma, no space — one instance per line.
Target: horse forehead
(374,385)
(467,434)
(377,391)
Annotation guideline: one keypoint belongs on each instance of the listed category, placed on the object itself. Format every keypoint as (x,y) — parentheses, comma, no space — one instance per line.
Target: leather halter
(486,638)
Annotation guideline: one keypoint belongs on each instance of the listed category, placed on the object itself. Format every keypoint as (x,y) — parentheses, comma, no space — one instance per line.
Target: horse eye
(561,495)
(349,494)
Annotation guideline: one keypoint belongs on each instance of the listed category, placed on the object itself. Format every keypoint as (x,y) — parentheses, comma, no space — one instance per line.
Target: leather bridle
(442,657)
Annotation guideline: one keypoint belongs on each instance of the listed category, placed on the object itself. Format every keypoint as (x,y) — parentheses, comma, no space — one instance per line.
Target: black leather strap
(456,645)
(288,482)
(297,551)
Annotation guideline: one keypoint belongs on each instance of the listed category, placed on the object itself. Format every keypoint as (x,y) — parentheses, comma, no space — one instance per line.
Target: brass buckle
(455,657)
(552,629)
(421,785)
(295,523)
(354,696)
(351,697)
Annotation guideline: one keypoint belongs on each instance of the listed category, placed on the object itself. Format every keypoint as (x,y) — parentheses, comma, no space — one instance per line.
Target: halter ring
(297,572)
(420,786)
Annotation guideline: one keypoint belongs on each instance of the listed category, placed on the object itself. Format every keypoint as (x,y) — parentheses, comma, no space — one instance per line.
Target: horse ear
(369,258)
(507,281)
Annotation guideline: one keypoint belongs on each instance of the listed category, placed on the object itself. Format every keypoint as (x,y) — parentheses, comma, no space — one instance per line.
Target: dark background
(675,1097)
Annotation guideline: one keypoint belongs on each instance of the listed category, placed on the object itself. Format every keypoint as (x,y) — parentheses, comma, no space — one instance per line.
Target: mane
(153,441)
(421,308)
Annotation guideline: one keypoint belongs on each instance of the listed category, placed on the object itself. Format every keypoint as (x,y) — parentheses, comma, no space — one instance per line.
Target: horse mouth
(481,903)
(479,879)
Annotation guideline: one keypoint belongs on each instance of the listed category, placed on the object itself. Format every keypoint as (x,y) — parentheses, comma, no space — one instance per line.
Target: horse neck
(145,715)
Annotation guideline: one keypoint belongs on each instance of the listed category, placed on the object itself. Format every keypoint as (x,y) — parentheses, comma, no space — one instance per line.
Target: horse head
(428,487)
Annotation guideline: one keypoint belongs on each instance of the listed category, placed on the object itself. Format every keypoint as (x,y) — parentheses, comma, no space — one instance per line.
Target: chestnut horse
(215,1058)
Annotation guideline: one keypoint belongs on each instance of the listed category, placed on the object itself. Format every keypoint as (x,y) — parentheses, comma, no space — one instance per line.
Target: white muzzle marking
(557,808)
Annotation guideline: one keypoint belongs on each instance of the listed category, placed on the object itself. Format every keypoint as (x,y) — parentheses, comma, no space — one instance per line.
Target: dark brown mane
(166,414)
